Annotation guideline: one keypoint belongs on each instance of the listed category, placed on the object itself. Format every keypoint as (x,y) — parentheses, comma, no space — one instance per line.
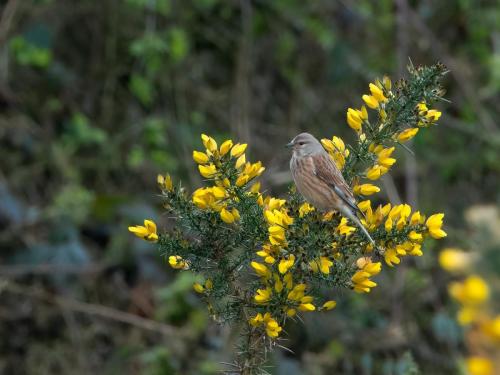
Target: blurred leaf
(29,54)
(72,202)
(157,362)
(178,44)
(79,132)
(142,89)
(136,157)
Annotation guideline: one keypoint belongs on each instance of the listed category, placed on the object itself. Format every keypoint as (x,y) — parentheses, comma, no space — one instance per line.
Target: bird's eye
(301,143)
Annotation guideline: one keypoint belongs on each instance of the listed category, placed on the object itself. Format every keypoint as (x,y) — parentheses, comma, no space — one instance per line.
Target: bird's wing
(327,171)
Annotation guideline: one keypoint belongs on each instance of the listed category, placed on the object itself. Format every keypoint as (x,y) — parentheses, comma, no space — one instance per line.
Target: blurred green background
(98,97)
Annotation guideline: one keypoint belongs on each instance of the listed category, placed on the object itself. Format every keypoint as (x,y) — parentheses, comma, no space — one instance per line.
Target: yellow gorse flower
(209,198)
(238,150)
(345,229)
(263,295)
(329,305)
(176,262)
(272,327)
(354,119)
(477,365)
(366,189)
(229,217)
(375,172)
(165,182)
(361,278)
(337,150)
(260,269)
(240,161)
(434,224)
(491,327)
(207,171)
(407,134)
(304,209)
(285,264)
(225,147)
(454,260)
(370,101)
(198,288)
(472,291)
(322,265)
(427,116)
(377,93)
(200,157)
(384,156)
(146,232)
(209,143)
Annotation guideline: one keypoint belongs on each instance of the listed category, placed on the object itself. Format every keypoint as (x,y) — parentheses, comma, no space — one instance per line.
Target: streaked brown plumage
(320,181)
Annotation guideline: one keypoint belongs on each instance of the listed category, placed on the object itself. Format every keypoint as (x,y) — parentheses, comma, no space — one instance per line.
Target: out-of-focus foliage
(475,288)
(97,97)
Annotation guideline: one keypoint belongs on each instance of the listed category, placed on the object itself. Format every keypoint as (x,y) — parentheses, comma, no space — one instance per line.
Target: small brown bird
(320,181)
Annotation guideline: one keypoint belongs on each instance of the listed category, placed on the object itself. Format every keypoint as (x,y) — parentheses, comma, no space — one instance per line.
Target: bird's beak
(289,145)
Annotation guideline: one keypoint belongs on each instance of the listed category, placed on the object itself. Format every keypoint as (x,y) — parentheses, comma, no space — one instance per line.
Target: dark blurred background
(98,97)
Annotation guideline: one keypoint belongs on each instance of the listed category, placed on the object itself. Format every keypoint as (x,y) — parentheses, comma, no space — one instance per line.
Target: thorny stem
(252,354)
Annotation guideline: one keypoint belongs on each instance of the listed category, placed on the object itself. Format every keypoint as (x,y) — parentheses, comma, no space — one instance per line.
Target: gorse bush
(264,260)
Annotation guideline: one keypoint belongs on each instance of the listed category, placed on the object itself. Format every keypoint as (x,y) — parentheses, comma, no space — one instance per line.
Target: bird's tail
(354,218)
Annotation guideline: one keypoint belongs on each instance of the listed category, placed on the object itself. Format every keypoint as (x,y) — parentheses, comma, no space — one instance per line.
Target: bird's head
(305,144)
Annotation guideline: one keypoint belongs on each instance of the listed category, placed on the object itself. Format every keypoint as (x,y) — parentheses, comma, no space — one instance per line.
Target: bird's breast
(309,185)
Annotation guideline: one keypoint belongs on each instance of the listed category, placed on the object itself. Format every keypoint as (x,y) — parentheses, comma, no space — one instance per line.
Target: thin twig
(9,10)
(96,310)
(18,270)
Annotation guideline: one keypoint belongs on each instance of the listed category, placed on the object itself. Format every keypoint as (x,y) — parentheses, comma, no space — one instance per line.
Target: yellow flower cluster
(398,218)
(210,197)
(478,365)
(337,150)
(361,279)
(345,229)
(279,290)
(165,182)
(377,96)
(471,293)
(146,232)
(356,117)
(277,217)
(383,163)
(177,263)
(427,116)
(380,92)
(219,197)
(323,265)
(273,329)
(455,260)
(212,159)
(202,288)
(304,209)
